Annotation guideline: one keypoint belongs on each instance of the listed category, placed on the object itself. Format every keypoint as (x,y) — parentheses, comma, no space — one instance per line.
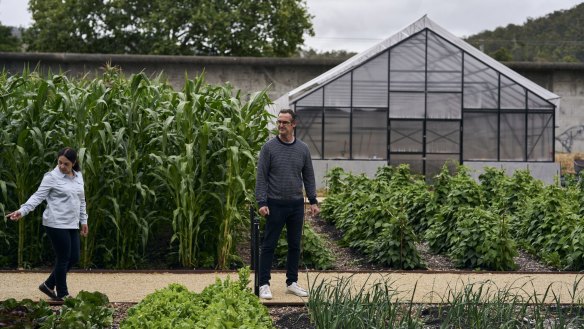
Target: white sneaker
(265,292)
(295,289)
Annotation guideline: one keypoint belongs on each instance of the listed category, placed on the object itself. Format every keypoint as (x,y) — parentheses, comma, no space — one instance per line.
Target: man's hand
(314,210)
(264,211)
(84,230)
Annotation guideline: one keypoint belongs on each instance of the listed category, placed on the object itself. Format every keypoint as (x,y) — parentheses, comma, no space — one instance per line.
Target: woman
(63,189)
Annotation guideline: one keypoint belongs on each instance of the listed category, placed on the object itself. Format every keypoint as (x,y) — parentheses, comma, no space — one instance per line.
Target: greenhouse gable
(426,98)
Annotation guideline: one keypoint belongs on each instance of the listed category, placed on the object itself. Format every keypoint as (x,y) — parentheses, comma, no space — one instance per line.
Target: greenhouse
(424,97)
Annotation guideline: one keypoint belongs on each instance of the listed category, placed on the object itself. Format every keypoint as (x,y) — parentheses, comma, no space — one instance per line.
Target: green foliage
(172,307)
(377,216)
(508,195)
(482,240)
(337,304)
(23,314)
(551,38)
(8,42)
(86,310)
(314,251)
(575,259)
(502,55)
(313,53)
(182,27)
(547,224)
(451,193)
(395,246)
(229,305)
(410,192)
(334,178)
(178,163)
(224,304)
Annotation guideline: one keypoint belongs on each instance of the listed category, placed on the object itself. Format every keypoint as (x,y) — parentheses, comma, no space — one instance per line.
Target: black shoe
(61,299)
(43,287)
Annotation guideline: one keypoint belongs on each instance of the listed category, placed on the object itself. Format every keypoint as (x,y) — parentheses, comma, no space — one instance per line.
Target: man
(284,167)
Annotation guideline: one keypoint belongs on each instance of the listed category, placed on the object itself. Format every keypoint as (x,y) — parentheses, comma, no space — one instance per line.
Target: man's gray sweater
(282,170)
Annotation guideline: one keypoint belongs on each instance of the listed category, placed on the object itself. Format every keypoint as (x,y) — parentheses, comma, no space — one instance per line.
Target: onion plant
(338,303)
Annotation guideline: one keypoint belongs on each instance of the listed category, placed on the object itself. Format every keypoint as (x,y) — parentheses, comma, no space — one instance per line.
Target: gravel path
(430,287)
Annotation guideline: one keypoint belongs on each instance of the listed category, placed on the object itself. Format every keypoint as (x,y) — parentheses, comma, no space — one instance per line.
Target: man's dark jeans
(66,245)
(291,214)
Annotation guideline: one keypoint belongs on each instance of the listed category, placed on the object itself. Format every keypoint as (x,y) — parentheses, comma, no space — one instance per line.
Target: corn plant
(24,151)
(152,158)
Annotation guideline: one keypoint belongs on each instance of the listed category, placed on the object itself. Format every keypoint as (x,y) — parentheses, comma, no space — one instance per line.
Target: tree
(313,53)
(502,55)
(554,37)
(170,27)
(8,42)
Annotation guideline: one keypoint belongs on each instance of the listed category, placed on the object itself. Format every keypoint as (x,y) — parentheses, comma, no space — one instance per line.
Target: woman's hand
(15,215)
(84,229)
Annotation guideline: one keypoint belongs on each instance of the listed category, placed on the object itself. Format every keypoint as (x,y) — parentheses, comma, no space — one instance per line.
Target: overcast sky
(356,25)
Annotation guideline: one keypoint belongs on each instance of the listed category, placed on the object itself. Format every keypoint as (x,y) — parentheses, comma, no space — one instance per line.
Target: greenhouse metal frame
(424,97)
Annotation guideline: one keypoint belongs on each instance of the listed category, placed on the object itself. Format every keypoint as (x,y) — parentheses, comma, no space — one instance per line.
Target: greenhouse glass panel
(512,137)
(309,129)
(338,92)
(479,136)
(408,65)
(406,105)
(369,134)
(535,102)
(370,83)
(406,136)
(313,99)
(512,94)
(540,136)
(444,65)
(415,161)
(337,123)
(443,136)
(444,106)
(435,162)
(481,85)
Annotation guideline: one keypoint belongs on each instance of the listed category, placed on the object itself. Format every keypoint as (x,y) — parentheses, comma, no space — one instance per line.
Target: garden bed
(347,259)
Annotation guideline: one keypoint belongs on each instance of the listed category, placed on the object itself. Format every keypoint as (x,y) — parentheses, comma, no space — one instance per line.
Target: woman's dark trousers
(66,245)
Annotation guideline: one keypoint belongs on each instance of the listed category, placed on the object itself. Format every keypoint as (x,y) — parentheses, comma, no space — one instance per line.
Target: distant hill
(556,37)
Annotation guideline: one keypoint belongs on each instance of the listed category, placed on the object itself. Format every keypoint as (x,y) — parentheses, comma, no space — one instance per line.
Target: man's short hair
(289,111)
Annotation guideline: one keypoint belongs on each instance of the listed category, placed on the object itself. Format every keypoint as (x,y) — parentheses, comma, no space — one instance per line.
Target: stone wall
(281,75)
(567,81)
(250,74)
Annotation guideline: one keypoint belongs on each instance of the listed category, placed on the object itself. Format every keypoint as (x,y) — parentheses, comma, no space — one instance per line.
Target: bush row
(479,224)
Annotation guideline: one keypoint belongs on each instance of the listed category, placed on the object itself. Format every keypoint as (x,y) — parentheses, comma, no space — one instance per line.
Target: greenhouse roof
(419,25)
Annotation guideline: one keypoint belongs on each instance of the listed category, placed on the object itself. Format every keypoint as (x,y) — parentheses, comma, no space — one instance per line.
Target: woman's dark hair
(71,155)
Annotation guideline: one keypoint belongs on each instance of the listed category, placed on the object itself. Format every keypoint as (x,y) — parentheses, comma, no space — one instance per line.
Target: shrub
(314,251)
(482,240)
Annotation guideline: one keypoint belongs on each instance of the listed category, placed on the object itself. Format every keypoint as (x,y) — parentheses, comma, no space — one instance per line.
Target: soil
(349,260)
(285,317)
